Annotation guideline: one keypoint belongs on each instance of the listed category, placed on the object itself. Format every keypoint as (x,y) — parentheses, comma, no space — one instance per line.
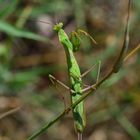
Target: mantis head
(58,26)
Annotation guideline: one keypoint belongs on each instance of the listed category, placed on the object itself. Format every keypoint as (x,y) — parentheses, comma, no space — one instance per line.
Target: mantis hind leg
(80,136)
(54,81)
(99,70)
(89,70)
(97,78)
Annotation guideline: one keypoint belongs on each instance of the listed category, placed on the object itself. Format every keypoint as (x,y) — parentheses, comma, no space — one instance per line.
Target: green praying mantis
(73,71)
(71,45)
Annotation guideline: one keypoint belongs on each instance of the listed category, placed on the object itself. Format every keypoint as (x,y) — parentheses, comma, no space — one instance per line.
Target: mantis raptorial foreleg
(76,40)
(87,34)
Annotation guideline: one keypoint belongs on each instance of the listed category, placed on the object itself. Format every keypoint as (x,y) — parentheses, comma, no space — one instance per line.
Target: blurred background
(30,50)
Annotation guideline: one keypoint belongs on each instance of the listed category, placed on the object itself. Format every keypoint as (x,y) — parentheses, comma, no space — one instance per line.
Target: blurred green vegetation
(29,51)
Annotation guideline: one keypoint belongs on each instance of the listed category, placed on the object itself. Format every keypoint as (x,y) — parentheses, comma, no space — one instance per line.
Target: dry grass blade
(132,52)
(122,54)
(12,111)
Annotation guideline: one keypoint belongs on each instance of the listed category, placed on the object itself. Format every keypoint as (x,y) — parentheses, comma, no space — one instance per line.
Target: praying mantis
(70,46)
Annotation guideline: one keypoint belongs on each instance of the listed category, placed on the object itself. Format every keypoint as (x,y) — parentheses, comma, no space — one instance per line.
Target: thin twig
(132,52)
(119,60)
(12,111)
